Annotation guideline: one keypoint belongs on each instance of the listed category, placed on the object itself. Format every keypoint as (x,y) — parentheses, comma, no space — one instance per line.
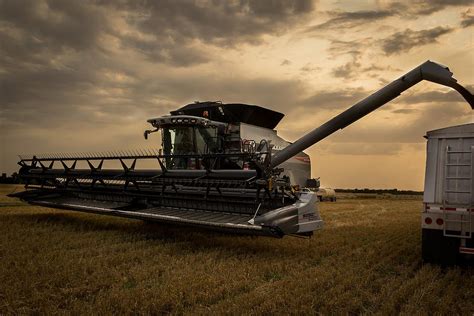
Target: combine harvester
(222,166)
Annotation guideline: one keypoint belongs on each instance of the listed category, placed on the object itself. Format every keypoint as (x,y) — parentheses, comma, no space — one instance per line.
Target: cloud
(348,70)
(56,24)
(337,99)
(354,48)
(426,7)
(377,68)
(95,94)
(467,19)
(364,149)
(404,41)
(166,51)
(405,111)
(177,33)
(436,96)
(285,62)
(309,68)
(90,63)
(214,22)
(346,20)
(274,93)
(356,67)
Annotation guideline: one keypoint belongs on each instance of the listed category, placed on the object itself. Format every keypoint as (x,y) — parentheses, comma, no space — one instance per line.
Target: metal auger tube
(429,71)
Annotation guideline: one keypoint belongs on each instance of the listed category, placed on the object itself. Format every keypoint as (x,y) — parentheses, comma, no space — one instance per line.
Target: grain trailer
(447,219)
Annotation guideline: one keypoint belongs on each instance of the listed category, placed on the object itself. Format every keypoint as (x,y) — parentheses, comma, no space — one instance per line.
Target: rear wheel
(438,249)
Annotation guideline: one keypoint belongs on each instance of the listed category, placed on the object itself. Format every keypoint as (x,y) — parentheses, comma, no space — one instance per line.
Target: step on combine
(220,166)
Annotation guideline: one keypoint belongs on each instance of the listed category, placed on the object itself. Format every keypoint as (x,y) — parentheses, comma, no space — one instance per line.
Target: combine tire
(438,249)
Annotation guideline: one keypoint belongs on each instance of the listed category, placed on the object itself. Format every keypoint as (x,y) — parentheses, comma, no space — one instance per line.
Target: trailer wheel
(438,249)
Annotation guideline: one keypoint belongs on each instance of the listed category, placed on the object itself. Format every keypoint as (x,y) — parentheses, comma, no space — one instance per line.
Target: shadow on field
(138,230)
(72,221)
(340,242)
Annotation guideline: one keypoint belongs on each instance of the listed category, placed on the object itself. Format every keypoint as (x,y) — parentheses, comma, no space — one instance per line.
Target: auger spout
(429,71)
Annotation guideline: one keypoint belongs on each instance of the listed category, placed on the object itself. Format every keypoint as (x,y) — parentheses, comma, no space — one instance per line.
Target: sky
(84,76)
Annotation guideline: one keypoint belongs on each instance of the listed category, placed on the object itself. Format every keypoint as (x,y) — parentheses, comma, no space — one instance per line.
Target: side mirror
(147,132)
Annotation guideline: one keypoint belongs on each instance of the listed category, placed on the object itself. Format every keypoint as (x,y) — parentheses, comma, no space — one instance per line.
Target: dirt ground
(367,259)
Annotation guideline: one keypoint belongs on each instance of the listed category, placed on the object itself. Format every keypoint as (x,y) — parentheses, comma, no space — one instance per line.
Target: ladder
(452,175)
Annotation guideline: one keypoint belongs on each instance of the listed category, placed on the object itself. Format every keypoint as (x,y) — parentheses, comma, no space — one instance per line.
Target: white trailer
(326,194)
(447,218)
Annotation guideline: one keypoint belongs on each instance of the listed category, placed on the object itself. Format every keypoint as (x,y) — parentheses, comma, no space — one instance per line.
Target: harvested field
(366,260)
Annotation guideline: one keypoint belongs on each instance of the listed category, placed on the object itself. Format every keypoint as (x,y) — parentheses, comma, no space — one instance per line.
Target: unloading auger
(220,166)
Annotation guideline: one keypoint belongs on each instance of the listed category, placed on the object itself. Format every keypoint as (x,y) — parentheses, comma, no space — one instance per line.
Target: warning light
(428,220)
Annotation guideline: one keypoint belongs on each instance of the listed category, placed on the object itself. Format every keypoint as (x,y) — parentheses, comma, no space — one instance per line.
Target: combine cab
(220,166)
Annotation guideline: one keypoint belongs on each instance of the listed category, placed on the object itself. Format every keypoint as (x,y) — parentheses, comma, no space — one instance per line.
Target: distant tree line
(381,191)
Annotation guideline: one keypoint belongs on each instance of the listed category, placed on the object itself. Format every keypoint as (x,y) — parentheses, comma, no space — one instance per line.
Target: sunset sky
(79,76)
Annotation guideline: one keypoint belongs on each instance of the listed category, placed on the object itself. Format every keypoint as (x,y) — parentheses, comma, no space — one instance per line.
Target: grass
(366,260)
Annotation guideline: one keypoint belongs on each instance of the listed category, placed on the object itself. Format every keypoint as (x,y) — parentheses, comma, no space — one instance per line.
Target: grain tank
(447,219)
